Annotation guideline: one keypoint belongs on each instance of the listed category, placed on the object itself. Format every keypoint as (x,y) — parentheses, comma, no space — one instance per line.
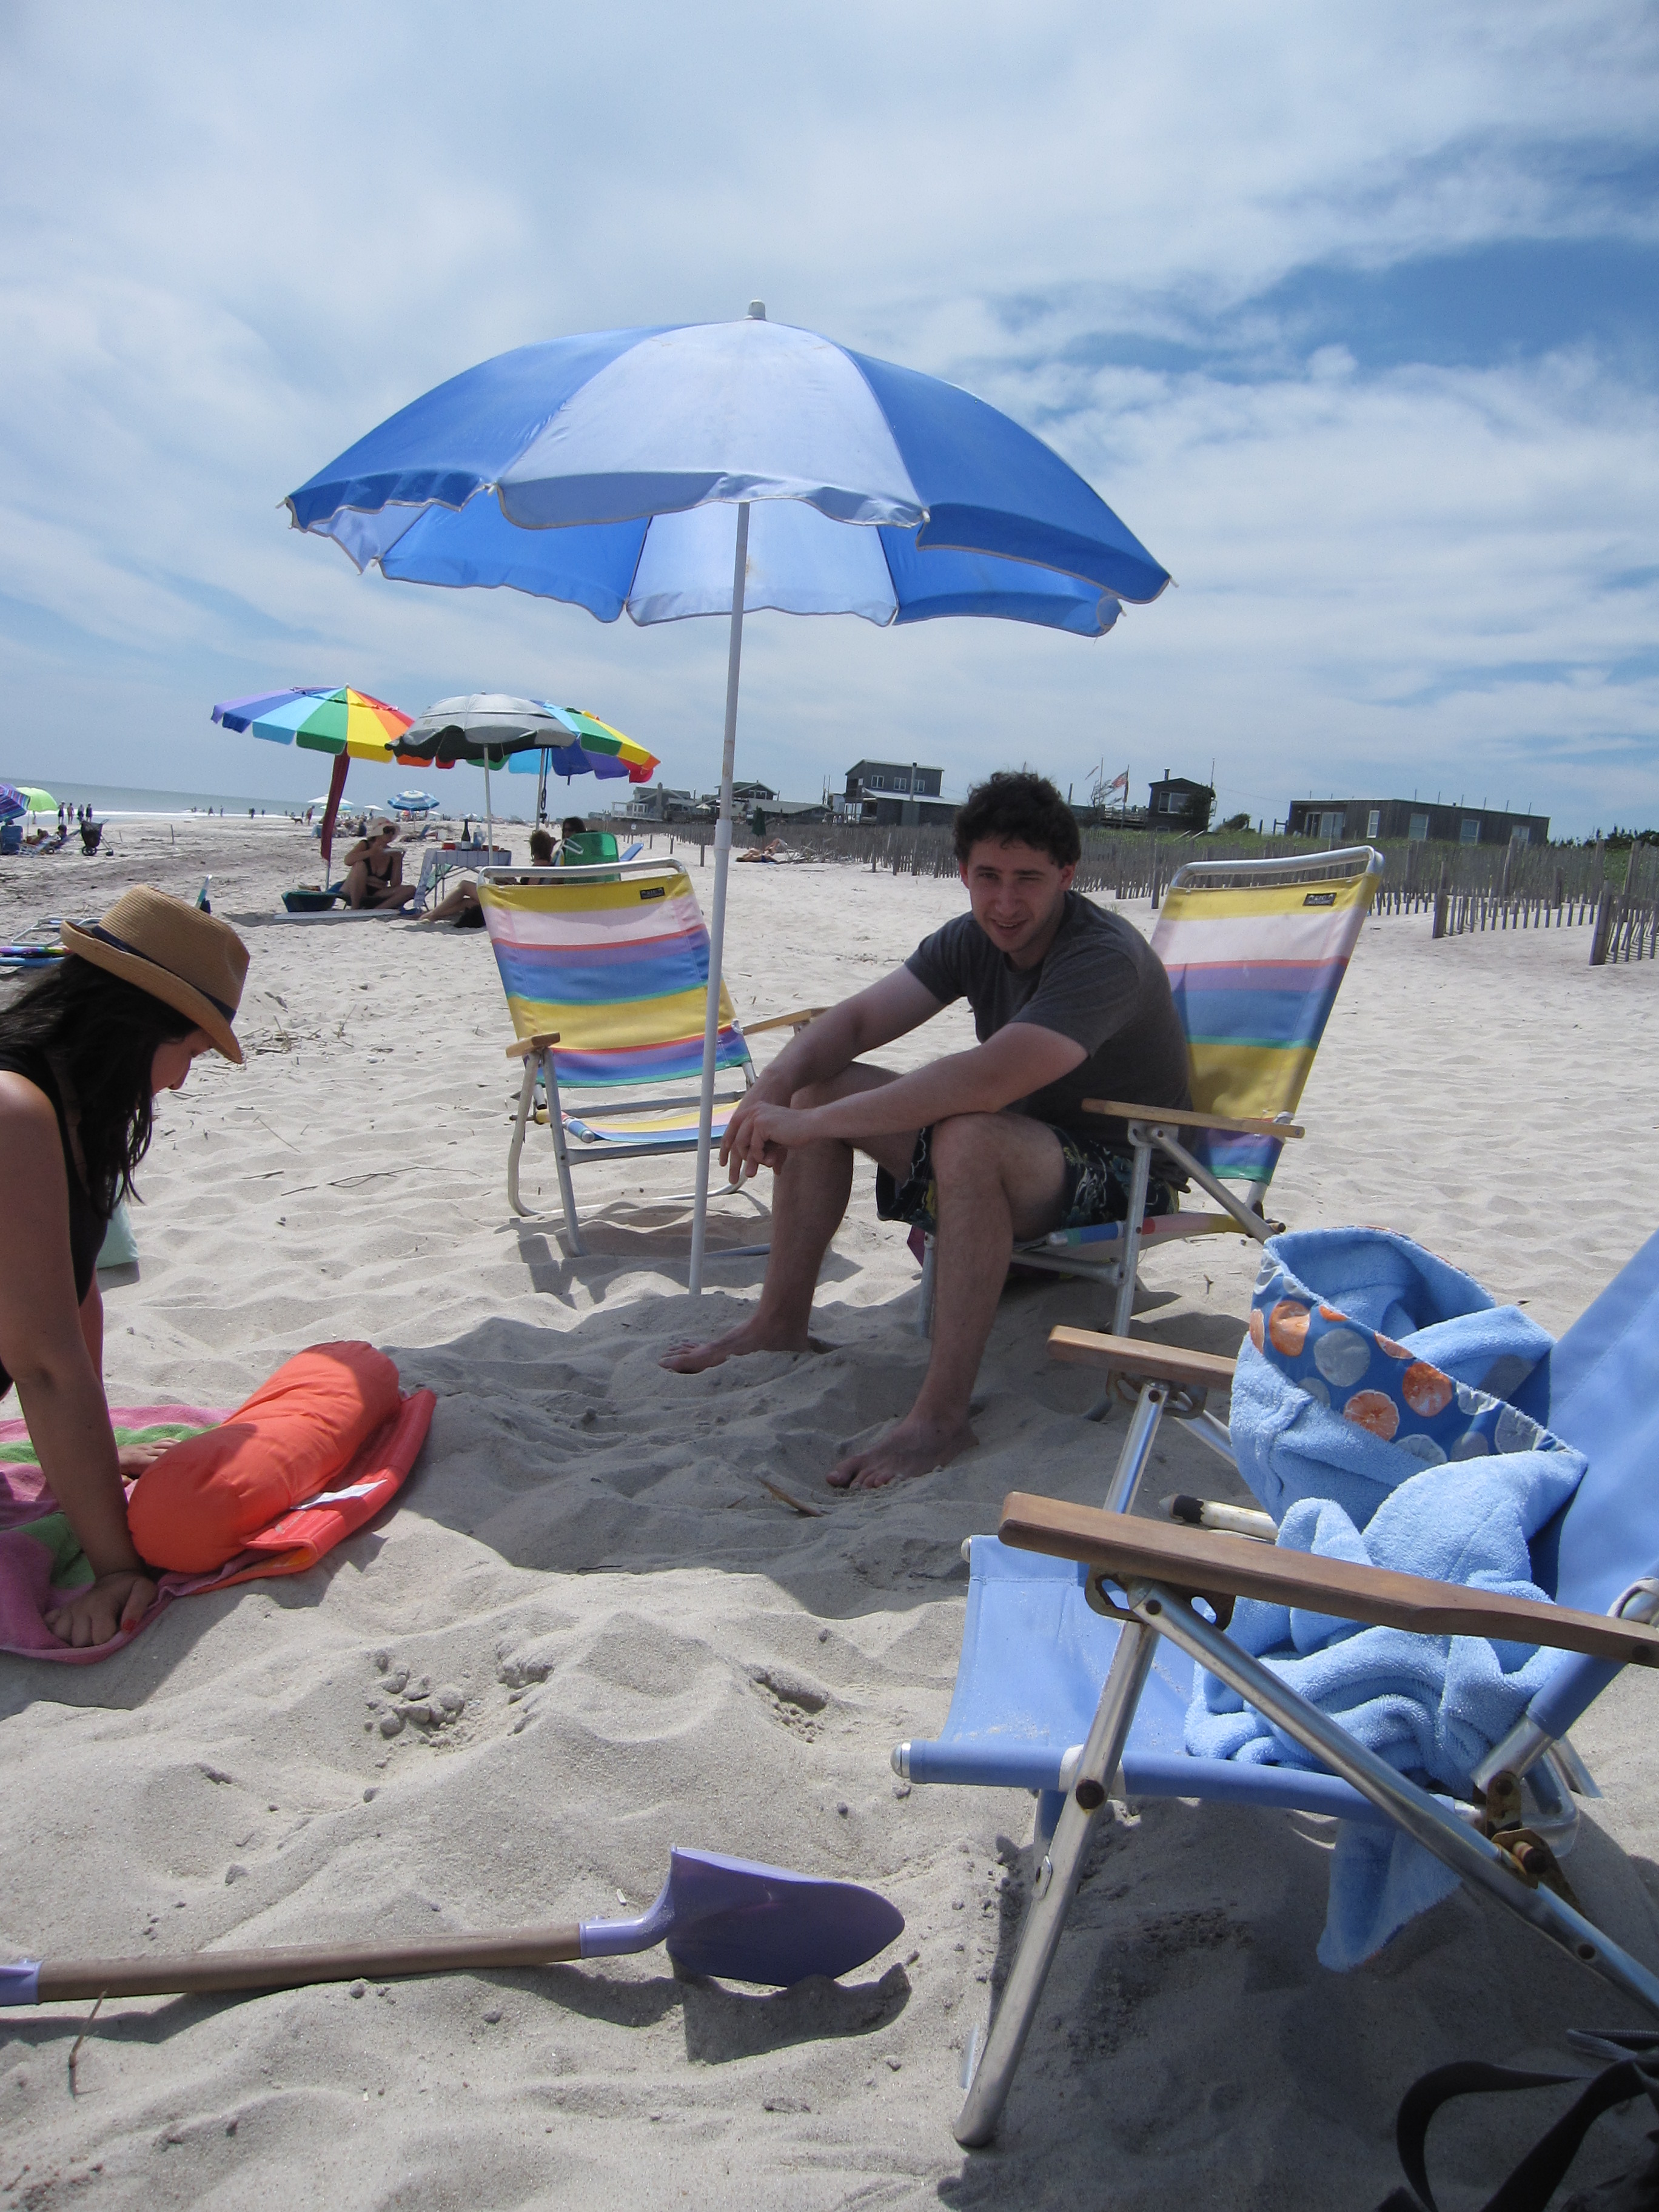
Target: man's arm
(828,1046)
(1018,1061)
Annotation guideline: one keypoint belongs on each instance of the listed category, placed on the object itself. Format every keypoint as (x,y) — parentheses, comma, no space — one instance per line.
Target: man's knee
(965,1147)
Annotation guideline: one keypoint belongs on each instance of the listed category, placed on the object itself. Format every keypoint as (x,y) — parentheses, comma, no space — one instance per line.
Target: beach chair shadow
(1256,952)
(605,970)
(1080,1645)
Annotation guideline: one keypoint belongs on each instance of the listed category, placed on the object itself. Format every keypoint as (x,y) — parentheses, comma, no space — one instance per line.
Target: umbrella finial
(757,310)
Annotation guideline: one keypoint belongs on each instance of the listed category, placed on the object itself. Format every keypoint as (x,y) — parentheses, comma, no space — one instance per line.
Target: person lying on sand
(461,905)
(374,870)
(83,1054)
(983,1147)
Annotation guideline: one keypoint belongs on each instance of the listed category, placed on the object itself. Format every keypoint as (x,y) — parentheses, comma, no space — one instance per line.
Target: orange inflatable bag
(205,1497)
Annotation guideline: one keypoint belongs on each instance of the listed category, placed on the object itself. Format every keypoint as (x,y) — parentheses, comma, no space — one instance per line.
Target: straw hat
(174,951)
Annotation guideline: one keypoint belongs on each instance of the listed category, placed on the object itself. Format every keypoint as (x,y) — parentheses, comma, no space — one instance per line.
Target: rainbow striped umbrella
(595,749)
(342,721)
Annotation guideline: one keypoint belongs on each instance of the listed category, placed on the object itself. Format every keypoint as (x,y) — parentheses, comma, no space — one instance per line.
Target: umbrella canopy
(413,802)
(35,801)
(12,802)
(483,727)
(623,452)
(699,469)
(338,721)
(592,748)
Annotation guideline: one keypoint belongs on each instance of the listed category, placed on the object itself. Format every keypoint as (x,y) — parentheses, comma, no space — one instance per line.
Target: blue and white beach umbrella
(714,468)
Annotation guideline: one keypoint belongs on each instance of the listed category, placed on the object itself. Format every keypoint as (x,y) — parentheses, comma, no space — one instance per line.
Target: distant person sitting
(374,870)
(461,906)
(986,1147)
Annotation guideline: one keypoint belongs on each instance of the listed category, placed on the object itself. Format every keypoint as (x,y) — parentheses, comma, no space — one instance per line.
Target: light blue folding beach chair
(1077,1668)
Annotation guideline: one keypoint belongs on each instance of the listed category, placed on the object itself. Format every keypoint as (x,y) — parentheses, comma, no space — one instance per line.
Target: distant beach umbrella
(350,725)
(338,721)
(35,801)
(413,802)
(705,469)
(493,729)
(593,749)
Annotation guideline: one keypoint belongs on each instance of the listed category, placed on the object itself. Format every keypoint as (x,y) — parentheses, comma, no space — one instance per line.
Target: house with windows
(1177,803)
(894,794)
(1355,821)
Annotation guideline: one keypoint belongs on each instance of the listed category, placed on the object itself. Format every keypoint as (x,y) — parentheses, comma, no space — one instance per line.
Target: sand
(653,1650)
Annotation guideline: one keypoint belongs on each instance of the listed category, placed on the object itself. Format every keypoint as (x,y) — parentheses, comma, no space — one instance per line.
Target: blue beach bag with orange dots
(1370,1360)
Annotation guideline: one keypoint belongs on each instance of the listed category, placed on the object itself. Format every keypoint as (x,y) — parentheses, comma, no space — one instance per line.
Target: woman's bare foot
(754,1335)
(916,1446)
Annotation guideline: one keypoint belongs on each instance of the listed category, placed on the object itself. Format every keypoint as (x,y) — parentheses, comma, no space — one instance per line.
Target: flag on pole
(1119,783)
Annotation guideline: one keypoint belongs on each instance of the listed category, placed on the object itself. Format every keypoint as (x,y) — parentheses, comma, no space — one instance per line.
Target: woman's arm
(46,1346)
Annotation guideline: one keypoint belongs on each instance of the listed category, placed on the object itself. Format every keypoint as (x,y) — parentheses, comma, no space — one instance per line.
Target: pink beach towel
(41,1563)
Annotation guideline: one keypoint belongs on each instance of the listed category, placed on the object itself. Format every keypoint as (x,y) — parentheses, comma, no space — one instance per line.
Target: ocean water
(106,798)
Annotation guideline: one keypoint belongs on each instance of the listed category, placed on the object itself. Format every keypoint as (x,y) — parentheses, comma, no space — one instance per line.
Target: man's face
(1014,891)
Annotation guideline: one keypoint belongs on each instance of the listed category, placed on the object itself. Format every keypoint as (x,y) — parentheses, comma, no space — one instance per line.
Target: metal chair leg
(1126,1283)
(1058,1874)
(515,1145)
(562,1157)
(929,1274)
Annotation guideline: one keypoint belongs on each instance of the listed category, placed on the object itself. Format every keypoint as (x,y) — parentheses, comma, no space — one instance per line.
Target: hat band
(119,944)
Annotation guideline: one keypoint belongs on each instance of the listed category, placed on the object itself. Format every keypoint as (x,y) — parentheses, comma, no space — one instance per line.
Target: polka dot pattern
(1379,1384)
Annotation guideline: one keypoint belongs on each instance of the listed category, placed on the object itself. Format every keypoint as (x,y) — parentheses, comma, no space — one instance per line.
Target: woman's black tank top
(88,1227)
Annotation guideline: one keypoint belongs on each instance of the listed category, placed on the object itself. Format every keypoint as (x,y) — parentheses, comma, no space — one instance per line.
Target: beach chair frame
(1158,1570)
(1111,1253)
(537,1053)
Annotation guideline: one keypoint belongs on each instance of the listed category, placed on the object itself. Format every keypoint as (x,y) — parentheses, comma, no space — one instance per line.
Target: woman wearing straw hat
(83,1053)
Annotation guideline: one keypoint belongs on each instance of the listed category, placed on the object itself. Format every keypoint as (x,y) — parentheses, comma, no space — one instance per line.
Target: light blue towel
(1361,1419)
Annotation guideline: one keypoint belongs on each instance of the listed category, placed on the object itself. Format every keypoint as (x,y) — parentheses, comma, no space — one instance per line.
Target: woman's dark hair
(574,826)
(98,1035)
(1019,809)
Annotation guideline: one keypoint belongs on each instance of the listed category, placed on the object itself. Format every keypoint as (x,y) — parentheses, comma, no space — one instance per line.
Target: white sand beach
(654,1650)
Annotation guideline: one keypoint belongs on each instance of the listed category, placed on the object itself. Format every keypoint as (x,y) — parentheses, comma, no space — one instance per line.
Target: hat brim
(160,982)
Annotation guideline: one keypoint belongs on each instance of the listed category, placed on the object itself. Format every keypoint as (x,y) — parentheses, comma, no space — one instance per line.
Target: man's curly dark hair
(1013,807)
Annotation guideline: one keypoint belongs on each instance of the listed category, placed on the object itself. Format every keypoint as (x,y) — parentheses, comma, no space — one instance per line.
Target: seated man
(987,1147)
(375,870)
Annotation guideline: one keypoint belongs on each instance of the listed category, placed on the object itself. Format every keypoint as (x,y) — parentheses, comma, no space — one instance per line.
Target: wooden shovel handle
(295,1968)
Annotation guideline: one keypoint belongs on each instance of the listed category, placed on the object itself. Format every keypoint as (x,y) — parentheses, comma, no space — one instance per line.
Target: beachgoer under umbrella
(461,905)
(83,1055)
(375,870)
(988,1147)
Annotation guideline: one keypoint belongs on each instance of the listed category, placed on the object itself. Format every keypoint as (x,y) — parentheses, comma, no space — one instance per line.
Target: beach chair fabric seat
(1036,1657)
(605,970)
(1256,953)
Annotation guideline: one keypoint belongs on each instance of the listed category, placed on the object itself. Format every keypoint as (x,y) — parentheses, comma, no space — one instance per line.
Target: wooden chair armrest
(1178,1117)
(1139,1356)
(798,1020)
(1127,1547)
(522,1048)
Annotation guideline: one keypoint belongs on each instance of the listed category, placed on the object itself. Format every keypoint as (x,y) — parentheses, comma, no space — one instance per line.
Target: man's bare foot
(751,1336)
(914,1447)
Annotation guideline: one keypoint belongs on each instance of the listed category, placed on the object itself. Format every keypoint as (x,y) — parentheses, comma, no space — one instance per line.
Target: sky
(1353,316)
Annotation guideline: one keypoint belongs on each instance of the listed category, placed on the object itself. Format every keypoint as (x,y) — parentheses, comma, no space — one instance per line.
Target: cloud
(1226,258)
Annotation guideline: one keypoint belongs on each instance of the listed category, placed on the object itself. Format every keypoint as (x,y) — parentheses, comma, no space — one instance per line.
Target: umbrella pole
(717,926)
(489,820)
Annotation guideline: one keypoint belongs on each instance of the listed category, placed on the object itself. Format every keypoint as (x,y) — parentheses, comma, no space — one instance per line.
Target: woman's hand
(99,1612)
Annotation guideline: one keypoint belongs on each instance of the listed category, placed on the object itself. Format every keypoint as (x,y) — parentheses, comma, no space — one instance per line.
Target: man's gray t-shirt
(1099,983)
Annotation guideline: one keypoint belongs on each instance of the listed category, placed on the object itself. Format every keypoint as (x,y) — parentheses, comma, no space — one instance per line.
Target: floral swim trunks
(1098,1178)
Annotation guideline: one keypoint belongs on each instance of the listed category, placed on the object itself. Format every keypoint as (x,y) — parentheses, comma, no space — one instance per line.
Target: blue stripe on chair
(1219,1009)
(1249,1159)
(562,979)
(651,1063)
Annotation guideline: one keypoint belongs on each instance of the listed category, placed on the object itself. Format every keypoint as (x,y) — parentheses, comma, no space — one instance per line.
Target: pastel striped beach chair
(1256,952)
(605,970)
